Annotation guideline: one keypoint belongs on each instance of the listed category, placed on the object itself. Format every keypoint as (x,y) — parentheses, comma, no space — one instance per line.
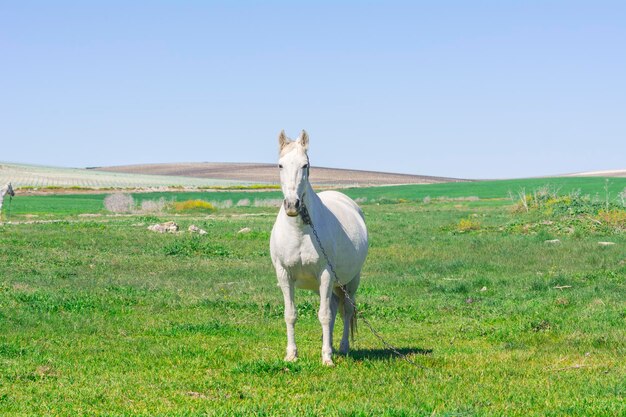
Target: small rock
(195,229)
(606,243)
(167,227)
(483,289)
(245,230)
(195,394)
(552,241)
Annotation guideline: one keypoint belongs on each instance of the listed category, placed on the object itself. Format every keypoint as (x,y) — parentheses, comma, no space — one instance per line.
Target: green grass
(73,204)
(102,317)
(492,189)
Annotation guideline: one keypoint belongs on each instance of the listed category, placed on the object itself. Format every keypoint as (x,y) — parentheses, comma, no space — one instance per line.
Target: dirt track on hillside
(268,173)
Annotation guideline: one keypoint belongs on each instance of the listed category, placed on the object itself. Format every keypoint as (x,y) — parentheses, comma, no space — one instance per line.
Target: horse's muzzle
(292,208)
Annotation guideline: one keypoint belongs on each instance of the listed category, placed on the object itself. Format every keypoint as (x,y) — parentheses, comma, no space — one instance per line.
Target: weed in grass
(196,246)
(210,328)
(193,206)
(467,224)
(614,218)
(11,350)
(148,219)
(263,367)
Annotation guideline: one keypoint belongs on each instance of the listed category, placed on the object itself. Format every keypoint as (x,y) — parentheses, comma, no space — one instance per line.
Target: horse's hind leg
(334,305)
(346,305)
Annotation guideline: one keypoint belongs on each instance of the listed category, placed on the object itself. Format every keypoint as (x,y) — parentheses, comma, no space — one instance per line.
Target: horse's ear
(282,140)
(304,139)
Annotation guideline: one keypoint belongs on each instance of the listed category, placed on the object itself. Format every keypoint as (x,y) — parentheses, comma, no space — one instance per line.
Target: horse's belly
(305,270)
(307,282)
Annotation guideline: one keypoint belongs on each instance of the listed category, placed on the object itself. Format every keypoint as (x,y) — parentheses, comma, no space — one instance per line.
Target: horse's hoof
(328,362)
(292,357)
(344,349)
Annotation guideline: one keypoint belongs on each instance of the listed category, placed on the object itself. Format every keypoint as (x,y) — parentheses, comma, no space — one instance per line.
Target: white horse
(7,189)
(297,256)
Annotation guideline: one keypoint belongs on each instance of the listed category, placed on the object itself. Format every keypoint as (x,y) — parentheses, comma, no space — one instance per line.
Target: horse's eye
(280,166)
(305,166)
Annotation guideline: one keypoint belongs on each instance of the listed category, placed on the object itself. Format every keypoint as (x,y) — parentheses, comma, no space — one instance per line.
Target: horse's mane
(288,148)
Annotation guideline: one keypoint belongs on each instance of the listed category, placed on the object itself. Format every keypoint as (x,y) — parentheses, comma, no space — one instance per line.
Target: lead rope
(306,218)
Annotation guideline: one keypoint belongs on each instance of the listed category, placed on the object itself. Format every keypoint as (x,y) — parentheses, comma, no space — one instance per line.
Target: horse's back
(337,201)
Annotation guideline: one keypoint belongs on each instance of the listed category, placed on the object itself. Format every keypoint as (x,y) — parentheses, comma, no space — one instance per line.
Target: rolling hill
(620,173)
(25,175)
(268,173)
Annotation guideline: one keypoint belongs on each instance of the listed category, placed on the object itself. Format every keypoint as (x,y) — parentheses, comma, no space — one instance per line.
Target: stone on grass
(606,243)
(195,229)
(553,241)
(167,227)
(245,230)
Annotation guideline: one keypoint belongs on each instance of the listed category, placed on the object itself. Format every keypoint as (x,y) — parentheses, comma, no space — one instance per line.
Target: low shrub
(614,217)
(119,203)
(244,202)
(467,224)
(194,205)
(547,201)
(573,213)
(153,206)
(269,202)
(222,204)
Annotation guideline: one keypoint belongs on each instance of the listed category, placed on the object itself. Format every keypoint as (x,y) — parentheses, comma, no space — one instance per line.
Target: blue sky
(474,89)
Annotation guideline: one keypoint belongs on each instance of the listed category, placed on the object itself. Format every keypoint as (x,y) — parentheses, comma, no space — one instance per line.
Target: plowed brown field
(268,173)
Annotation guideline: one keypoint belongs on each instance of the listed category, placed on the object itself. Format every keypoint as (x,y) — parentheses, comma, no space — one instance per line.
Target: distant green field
(93,203)
(493,189)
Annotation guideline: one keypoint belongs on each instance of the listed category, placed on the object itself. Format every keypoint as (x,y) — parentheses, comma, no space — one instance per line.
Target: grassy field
(73,204)
(99,316)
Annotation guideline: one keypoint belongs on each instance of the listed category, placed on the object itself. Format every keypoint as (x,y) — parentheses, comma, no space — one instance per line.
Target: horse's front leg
(287,286)
(325,316)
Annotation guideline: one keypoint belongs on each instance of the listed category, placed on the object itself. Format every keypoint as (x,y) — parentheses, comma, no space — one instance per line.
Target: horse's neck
(312,201)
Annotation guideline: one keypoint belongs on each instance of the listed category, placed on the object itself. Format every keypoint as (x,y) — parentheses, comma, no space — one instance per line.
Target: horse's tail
(353,324)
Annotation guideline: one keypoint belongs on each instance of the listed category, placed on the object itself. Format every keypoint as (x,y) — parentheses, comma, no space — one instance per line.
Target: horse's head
(294,170)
